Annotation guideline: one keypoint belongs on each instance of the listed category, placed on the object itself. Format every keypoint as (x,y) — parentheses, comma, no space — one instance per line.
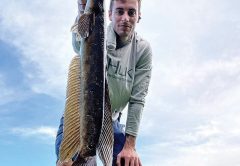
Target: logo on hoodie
(119,71)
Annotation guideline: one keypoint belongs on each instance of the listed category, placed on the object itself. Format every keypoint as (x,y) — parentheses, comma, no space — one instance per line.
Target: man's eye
(119,12)
(132,12)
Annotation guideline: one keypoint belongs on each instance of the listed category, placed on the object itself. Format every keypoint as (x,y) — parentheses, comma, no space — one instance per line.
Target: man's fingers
(132,162)
(118,160)
(69,163)
(137,162)
(127,161)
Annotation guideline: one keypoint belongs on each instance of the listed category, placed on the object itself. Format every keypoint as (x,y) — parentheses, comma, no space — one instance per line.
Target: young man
(129,63)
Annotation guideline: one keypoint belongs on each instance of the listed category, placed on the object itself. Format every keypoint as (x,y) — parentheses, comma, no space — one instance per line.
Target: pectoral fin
(85,24)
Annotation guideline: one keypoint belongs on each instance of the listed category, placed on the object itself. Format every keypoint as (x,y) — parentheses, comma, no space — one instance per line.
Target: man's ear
(110,15)
(139,17)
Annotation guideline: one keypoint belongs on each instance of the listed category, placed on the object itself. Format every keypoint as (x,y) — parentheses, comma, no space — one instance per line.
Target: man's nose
(125,16)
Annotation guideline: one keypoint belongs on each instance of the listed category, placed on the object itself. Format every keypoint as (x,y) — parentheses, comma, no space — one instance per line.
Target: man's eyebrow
(119,8)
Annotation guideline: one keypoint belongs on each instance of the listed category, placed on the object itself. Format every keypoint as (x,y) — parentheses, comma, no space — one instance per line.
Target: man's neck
(122,41)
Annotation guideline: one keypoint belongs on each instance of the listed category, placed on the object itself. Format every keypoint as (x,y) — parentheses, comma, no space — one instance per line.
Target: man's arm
(136,104)
(141,82)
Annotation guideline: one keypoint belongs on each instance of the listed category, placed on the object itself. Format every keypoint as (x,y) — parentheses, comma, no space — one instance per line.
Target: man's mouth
(125,26)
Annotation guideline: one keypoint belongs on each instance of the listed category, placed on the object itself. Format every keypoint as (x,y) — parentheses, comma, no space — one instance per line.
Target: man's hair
(111,4)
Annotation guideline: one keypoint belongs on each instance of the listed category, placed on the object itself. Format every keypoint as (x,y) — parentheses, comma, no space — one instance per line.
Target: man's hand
(69,163)
(129,153)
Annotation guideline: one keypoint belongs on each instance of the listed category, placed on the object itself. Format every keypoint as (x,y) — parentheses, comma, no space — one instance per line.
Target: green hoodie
(128,75)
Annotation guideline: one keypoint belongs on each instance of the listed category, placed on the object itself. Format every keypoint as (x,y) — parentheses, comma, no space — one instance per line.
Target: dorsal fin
(71,128)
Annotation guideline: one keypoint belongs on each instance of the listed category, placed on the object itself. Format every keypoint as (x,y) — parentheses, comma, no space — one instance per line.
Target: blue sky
(191,114)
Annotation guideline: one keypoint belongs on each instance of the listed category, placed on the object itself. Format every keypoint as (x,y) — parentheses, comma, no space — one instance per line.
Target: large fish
(87,117)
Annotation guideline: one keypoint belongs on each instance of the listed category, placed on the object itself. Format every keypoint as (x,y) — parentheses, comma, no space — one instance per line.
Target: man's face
(124,16)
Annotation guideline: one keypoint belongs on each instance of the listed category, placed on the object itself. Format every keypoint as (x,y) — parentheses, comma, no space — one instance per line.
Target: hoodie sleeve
(140,87)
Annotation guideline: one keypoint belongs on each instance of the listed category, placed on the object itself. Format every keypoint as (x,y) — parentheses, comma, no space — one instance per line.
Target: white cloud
(196,74)
(209,154)
(41,31)
(43,132)
(195,119)
(214,144)
(192,109)
(42,34)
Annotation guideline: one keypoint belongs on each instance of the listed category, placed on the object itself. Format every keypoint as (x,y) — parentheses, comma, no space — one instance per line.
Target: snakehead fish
(87,117)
